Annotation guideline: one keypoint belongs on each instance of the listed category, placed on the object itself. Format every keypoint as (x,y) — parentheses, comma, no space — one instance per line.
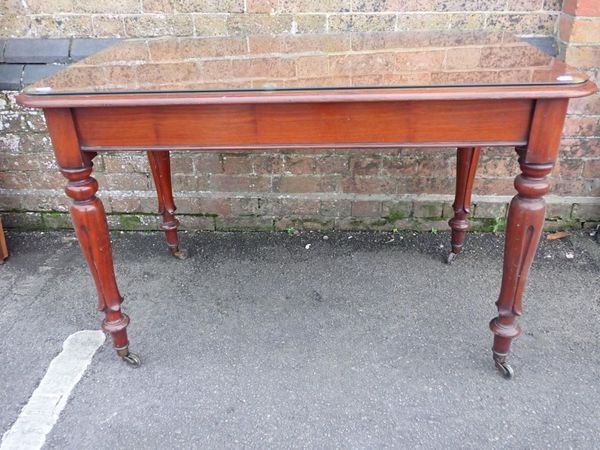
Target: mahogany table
(357,91)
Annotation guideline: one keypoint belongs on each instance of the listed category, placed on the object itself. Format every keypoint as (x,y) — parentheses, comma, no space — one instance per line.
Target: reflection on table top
(305,61)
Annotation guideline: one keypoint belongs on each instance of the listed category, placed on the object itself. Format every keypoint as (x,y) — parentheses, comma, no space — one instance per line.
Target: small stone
(307,246)
(325,237)
(570,255)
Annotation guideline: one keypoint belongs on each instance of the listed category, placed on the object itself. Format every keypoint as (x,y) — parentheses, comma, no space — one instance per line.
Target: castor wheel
(505,369)
(133,360)
(178,253)
(451,257)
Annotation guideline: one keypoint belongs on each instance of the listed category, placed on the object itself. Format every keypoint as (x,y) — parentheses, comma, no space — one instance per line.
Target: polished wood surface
(528,117)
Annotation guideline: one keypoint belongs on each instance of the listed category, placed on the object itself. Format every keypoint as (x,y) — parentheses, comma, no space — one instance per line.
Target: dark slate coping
(81,48)
(547,44)
(25,61)
(2,43)
(10,76)
(37,50)
(35,72)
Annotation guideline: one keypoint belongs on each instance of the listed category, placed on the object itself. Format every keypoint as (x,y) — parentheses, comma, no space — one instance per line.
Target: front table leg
(89,220)
(526,221)
(523,230)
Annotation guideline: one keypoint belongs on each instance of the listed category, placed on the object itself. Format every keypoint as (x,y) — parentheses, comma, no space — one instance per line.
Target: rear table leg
(160,164)
(467,158)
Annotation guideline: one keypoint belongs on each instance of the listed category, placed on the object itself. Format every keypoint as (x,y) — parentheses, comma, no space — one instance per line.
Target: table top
(415,59)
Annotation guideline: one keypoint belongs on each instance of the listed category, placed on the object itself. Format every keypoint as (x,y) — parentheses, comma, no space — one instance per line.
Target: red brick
(579,30)
(582,7)
(585,56)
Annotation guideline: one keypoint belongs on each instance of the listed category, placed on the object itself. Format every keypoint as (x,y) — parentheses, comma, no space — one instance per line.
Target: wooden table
(434,89)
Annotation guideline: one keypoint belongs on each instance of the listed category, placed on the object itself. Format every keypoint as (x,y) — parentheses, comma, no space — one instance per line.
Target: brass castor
(131,359)
(178,253)
(505,369)
(451,257)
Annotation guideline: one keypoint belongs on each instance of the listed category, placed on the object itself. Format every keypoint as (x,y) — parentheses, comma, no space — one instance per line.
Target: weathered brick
(189,222)
(238,164)
(582,126)
(573,147)
(295,6)
(396,210)
(211,25)
(366,208)
(586,211)
(244,223)
(489,210)
(108,26)
(365,165)
(591,168)
(568,168)
(259,24)
(427,209)
(261,6)
(335,208)
(309,23)
(361,22)
(299,164)
(331,164)
(107,6)
(298,183)
(559,211)
(240,183)
(61,26)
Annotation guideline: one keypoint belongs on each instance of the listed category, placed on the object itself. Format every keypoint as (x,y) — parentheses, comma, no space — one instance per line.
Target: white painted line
(41,412)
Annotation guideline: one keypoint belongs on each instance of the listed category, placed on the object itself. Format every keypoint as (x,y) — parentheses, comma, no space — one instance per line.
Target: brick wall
(112,18)
(406,188)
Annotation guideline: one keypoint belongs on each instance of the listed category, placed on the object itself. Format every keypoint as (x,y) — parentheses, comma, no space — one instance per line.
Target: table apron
(347,125)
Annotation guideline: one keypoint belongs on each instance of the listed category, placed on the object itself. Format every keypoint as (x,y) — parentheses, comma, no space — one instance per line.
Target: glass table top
(305,61)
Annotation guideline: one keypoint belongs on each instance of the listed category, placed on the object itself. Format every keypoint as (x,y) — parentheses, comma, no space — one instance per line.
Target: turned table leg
(466,166)
(89,220)
(160,164)
(525,223)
